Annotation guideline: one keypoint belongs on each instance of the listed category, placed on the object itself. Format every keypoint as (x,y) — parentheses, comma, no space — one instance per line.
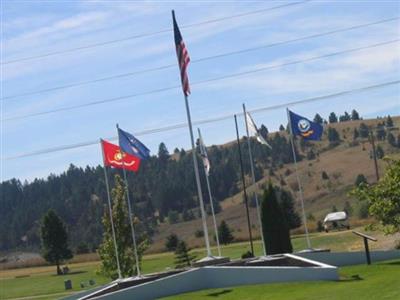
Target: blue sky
(33,28)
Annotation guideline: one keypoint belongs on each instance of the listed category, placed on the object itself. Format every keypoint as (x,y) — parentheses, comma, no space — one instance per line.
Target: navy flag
(131,145)
(305,128)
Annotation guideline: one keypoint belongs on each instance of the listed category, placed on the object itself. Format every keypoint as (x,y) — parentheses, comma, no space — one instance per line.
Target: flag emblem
(114,157)
(302,126)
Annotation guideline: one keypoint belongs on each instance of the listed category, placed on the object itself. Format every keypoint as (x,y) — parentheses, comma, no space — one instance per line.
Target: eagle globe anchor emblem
(305,128)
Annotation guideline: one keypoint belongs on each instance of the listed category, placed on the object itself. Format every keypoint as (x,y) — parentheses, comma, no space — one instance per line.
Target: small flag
(204,156)
(183,57)
(114,157)
(131,145)
(303,127)
(254,130)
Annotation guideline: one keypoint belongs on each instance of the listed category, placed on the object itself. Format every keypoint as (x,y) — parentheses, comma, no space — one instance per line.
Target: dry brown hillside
(342,164)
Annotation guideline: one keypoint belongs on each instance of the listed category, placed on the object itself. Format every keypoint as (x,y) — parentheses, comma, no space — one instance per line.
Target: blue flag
(131,145)
(303,127)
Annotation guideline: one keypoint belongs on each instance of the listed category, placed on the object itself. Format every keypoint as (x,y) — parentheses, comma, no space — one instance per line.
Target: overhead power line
(239,74)
(241,51)
(211,120)
(148,34)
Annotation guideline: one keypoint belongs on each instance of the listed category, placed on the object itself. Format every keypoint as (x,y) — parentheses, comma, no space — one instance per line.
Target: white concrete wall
(340,259)
(219,277)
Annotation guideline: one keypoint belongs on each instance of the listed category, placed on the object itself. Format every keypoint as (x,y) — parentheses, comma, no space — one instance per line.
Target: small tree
(379,152)
(361,179)
(274,225)
(172,242)
(364,130)
(54,240)
(183,258)
(281,128)
(356,134)
(391,140)
(383,198)
(333,135)
(225,233)
(123,237)
(173,217)
(348,208)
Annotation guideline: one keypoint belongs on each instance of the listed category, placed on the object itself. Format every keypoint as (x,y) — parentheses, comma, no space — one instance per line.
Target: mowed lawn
(42,283)
(378,281)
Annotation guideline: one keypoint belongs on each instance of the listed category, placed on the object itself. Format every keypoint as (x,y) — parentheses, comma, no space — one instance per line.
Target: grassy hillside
(342,164)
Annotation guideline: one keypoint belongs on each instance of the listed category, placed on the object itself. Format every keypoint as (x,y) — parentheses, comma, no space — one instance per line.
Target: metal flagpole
(110,212)
(196,171)
(211,203)
(298,180)
(244,187)
(254,180)
(131,221)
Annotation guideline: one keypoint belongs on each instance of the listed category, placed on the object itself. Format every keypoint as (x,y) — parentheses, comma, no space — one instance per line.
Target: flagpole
(298,180)
(130,215)
(211,204)
(244,187)
(254,180)
(196,171)
(131,223)
(110,212)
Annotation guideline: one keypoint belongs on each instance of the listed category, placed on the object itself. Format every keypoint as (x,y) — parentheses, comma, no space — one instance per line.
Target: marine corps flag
(114,157)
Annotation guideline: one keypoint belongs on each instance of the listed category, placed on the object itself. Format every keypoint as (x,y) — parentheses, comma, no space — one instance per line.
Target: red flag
(114,157)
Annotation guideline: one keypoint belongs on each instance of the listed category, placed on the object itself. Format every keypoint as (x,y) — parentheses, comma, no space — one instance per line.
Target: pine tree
(224,233)
(360,180)
(123,237)
(318,119)
(54,240)
(356,134)
(364,130)
(333,135)
(354,115)
(183,258)
(287,205)
(274,225)
(333,118)
(281,128)
(389,122)
(172,242)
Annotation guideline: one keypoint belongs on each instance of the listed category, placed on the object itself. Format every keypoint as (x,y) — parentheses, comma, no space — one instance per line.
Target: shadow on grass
(220,293)
(351,278)
(71,273)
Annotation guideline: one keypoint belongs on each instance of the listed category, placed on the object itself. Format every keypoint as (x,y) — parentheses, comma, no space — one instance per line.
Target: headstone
(68,284)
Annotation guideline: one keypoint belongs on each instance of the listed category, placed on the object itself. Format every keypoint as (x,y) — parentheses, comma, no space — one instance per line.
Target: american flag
(183,57)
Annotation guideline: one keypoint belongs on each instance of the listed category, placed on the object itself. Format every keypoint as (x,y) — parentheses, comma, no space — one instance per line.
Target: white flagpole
(130,216)
(131,223)
(254,180)
(298,180)
(110,212)
(196,172)
(211,202)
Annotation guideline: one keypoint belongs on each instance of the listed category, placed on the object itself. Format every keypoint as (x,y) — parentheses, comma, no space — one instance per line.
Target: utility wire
(73,107)
(211,120)
(134,73)
(148,34)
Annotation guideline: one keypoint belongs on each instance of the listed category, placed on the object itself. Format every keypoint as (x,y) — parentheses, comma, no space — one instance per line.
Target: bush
(360,180)
(363,210)
(247,255)
(199,233)
(324,175)
(173,217)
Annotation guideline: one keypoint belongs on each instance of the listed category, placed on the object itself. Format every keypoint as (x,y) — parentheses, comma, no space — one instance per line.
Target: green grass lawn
(47,283)
(378,281)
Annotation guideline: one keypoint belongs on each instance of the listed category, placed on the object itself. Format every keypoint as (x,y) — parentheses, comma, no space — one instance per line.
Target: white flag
(204,156)
(254,131)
